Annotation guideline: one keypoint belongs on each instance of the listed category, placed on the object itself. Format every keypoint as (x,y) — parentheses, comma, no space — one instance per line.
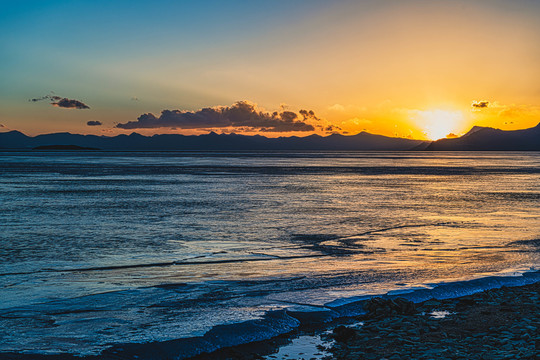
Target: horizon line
(239,134)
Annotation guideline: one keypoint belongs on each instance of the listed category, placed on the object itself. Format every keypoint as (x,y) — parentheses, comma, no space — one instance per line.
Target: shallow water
(310,347)
(103,248)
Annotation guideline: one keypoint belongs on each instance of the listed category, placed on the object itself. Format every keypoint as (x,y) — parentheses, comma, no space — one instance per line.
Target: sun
(438,124)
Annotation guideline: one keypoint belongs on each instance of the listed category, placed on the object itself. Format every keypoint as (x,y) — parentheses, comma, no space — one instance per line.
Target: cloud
(240,114)
(517,111)
(46,97)
(349,108)
(508,112)
(356,121)
(337,107)
(309,115)
(2,126)
(62,102)
(94,123)
(70,104)
(332,128)
(480,104)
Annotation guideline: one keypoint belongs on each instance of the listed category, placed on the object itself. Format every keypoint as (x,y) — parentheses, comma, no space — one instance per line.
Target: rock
(380,307)
(343,333)
(432,302)
(393,328)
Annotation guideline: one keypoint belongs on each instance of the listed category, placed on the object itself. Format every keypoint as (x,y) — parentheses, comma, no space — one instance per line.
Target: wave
(275,323)
(294,315)
(440,291)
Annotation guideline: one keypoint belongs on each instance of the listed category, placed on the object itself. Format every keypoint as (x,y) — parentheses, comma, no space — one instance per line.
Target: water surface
(98,248)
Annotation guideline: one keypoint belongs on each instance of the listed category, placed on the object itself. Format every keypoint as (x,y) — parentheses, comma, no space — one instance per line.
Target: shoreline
(390,327)
(494,324)
(499,323)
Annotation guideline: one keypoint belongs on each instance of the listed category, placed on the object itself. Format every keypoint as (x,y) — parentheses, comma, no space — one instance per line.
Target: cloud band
(241,114)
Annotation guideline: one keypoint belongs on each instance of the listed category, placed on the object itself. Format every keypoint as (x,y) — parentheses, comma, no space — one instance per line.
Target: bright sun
(437,124)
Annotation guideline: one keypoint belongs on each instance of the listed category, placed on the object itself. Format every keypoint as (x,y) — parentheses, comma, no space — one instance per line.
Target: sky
(408,68)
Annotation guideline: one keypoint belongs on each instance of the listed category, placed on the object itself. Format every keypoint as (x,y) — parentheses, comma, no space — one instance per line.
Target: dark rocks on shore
(495,324)
(379,307)
(344,334)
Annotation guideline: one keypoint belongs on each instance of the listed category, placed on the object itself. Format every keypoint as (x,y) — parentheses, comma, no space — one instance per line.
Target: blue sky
(377,62)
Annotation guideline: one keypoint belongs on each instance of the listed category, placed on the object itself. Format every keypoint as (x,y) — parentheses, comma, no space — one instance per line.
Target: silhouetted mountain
(13,140)
(422,146)
(211,141)
(478,138)
(475,129)
(490,139)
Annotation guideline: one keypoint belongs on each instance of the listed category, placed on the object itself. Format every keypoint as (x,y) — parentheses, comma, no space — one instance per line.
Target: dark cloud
(480,104)
(332,128)
(94,123)
(308,115)
(46,97)
(62,102)
(240,114)
(70,104)
(2,126)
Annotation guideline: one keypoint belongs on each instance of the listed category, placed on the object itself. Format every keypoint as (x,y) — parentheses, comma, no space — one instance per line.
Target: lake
(106,248)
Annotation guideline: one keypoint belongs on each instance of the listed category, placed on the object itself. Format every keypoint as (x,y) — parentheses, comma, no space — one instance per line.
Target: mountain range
(486,138)
(478,139)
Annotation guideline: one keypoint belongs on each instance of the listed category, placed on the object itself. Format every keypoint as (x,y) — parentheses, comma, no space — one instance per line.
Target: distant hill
(212,141)
(490,139)
(478,138)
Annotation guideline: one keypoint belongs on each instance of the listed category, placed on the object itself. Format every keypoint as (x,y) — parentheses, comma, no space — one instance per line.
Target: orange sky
(397,68)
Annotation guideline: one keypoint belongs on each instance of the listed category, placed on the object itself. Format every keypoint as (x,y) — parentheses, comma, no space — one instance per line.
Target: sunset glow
(399,68)
(438,124)
(307,179)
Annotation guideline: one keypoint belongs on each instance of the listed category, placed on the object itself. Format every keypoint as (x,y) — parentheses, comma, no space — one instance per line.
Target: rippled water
(103,248)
